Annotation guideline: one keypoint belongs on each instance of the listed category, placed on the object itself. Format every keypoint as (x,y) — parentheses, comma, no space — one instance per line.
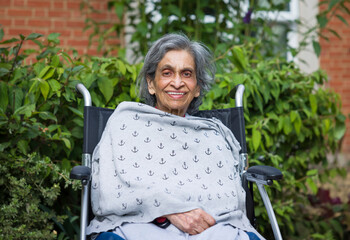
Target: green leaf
(1,34)
(55,61)
(53,37)
(77,112)
(121,67)
(313,103)
(312,172)
(44,88)
(10,41)
(23,146)
(33,36)
(339,131)
(332,4)
(4,99)
(342,19)
(256,137)
(105,85)
(47,115)
(27,110)
(44,71)
(66,142)
(312,185)
(317,48)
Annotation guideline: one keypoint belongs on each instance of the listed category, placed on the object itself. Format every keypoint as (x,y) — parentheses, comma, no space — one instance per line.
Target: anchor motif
(135,134)
(95,186)
(208,152)
(122,171)
(119,194)
(173,154)
(162,161)
(147,140)
(121,158)
(208,171)
(150,173)
(218,195)
(127,183)
(115,173)
(233,194)
(230,176)
(123,127)
(181,183)
(136,117)
(216,132)
(121,143)
(119,186)
(160,129)
(156,203)
(197,128)
(97,160)
(124,206)
(173,123)
(185,146)
(196,140)
(173,136)
(148,124)
(219,148)
(188,199)
(134,150)
(210,197)
(189,180)
(165,177)
(220,182)
(204,187)
(175,172)
(138,179)
(139,201)
(206,134)
(185,131)
(161,146)
(197,176)
(149,157)
(200,198)
(219,164)
(195,159)
(136,165)
(227,195)
(184,166)
(167,191)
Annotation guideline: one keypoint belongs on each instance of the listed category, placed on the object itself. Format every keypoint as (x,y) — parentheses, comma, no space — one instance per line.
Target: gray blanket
(150,163)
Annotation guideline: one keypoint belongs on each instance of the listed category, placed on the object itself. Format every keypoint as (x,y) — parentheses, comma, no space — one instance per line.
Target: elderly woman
(160,173)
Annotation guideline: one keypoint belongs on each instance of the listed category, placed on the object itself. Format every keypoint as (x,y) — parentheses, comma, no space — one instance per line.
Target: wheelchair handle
(86,94)
(239,95)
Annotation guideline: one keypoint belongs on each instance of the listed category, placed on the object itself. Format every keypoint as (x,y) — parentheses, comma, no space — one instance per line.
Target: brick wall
(48,16)
(335,60)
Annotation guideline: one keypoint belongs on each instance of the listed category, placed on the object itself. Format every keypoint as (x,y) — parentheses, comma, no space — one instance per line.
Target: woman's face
(175,82)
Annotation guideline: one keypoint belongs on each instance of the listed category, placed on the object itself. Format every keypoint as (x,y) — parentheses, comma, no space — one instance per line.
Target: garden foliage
(292,122)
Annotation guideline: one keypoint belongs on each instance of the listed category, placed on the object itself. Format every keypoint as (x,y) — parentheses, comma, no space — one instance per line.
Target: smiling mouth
(176,93)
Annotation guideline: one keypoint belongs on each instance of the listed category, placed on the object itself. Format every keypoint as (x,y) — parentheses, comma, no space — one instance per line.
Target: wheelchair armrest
(264,173)
(80,173)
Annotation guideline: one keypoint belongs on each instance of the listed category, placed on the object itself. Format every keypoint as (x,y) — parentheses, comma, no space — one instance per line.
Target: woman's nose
(177,81)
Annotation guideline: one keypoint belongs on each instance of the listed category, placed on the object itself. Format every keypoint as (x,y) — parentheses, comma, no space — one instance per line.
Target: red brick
(39,23)
(19,22)
(18,3)
(40,13)
(76,24)
(38,3)
(73,5)
(57,13)
(19,12)
(6,22)
(16,32)
(59,5)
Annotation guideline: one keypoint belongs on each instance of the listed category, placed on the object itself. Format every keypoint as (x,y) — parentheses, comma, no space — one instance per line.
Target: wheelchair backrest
(95,119)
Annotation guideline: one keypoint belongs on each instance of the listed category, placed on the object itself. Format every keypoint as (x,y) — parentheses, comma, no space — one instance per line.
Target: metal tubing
(86,95)
(243,163)
(239,95)
(270,213)
(84,211)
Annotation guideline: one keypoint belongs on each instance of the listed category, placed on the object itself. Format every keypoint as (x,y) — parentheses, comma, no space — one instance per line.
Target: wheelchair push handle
(86,95)
(239,95)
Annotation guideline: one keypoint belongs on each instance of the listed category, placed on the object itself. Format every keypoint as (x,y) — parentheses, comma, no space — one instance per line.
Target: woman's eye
(166,74)
(187,74)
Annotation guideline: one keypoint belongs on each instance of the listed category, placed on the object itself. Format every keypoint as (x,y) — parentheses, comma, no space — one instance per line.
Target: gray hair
(204,63)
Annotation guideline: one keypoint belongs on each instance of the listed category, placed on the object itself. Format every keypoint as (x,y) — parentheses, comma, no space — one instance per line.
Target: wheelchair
(95,119)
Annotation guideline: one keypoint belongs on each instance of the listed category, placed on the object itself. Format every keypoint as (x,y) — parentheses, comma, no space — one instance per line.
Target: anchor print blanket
(149,163)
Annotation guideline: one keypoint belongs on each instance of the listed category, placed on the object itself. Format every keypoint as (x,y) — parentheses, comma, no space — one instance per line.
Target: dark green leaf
(33,36)
(317,48)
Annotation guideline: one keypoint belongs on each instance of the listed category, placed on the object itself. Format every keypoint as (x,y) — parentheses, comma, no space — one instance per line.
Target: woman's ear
(151,87)
(198,91)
